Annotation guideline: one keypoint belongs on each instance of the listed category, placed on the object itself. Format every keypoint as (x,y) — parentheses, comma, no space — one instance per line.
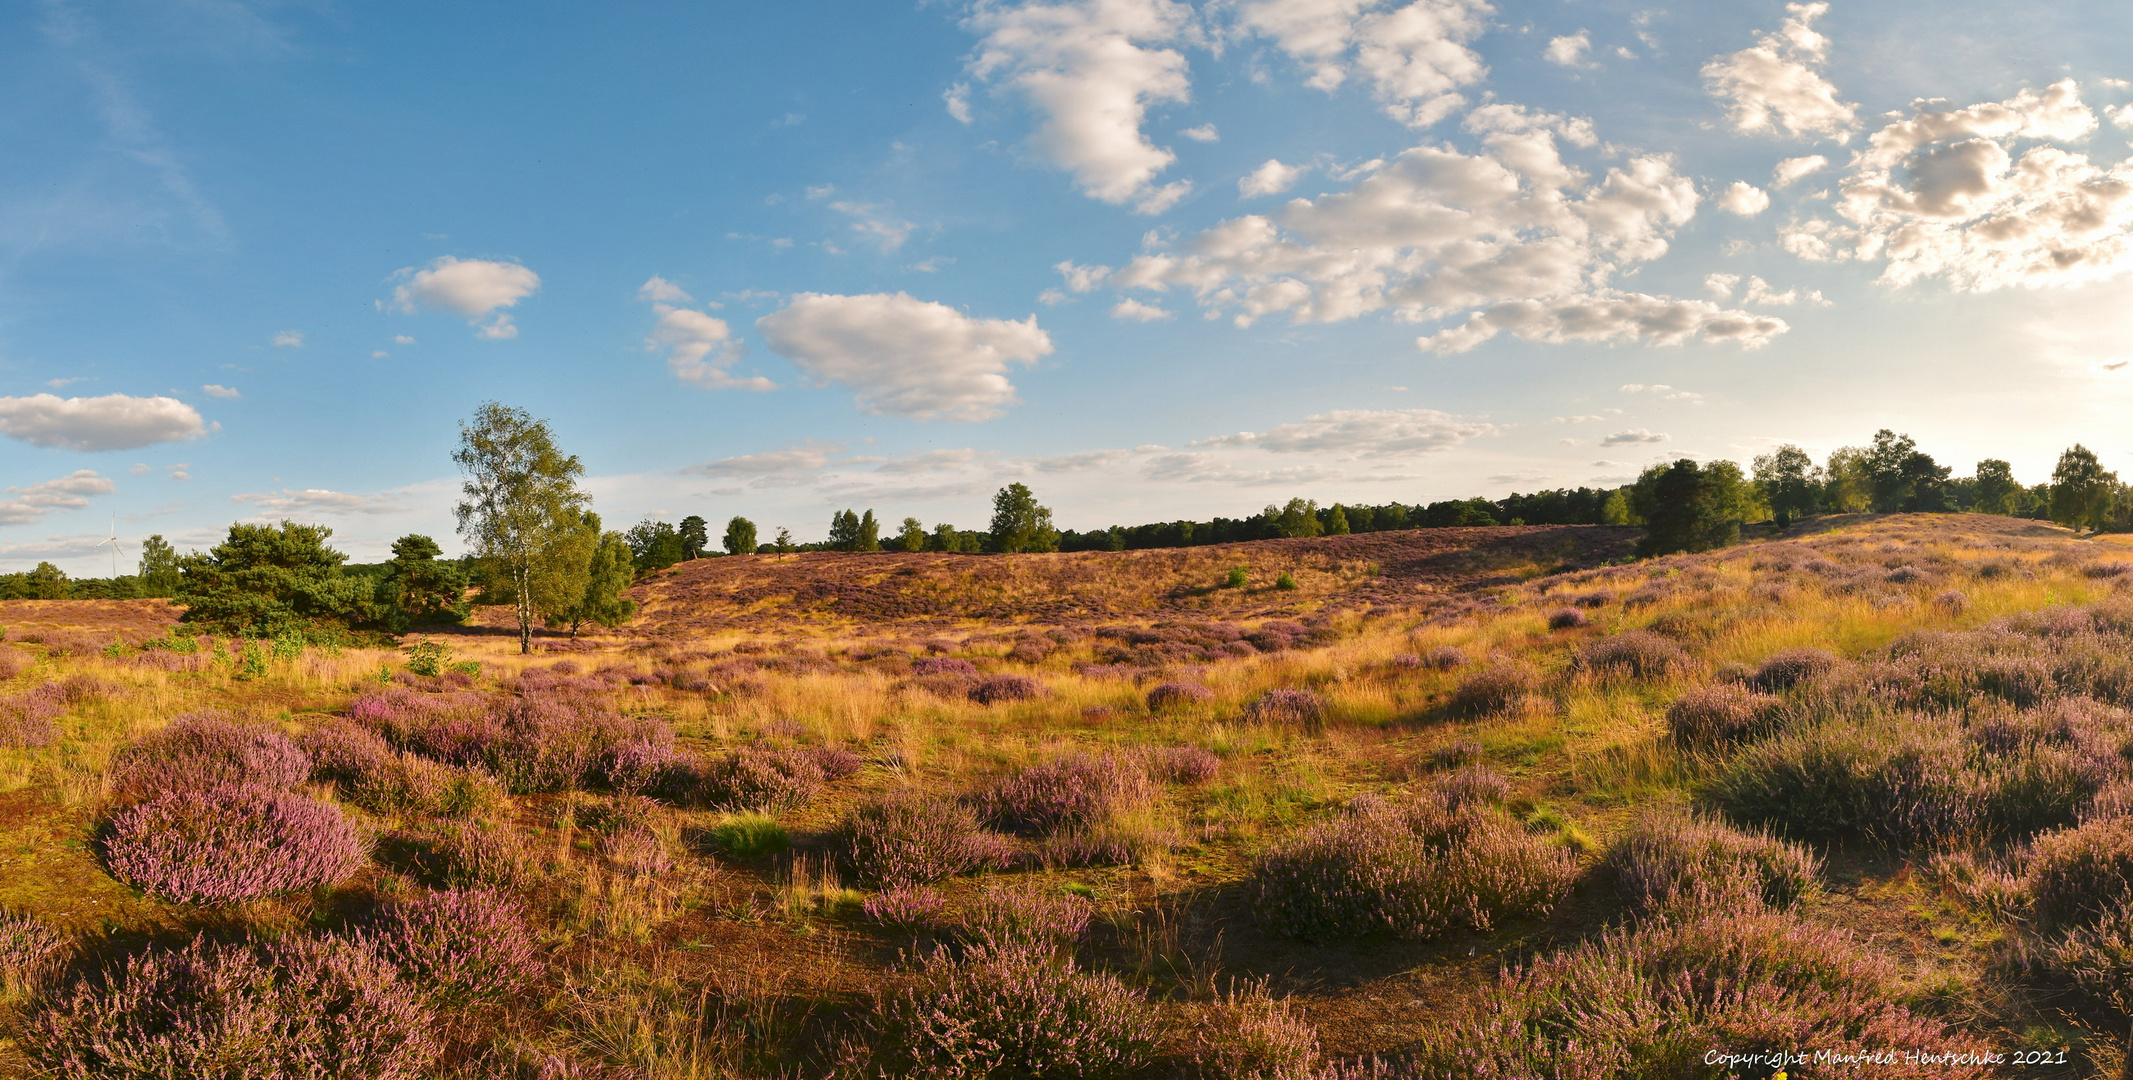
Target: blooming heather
(230,844)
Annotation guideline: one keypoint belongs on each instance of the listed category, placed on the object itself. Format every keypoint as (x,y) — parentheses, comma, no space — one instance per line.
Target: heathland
(1442,803)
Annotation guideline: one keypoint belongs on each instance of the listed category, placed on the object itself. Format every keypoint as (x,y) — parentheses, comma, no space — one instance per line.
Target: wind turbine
(112,540)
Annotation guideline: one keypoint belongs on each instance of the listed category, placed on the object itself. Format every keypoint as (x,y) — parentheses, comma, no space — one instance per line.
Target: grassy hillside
(1463,799)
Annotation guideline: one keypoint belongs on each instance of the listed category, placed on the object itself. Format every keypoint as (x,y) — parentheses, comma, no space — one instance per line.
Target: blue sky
(1154,258)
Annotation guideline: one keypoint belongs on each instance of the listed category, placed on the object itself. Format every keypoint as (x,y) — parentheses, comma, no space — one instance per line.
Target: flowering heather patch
(2078,875)
(1499,688)
(837,762)
(752,778)
(1016,917)
(1652,1002)
(405,783)
(1407,661)
(1287,707)
(1671,862)
(205,751)
(1454,754)
(1181,764)
(1721,715)
(1003,688)
(486,856)
(909,908)
(229,844)
(1444,657)
(301,1008)
(1170,696)
(1015,1013)
(1414,871)
(1637,654)
(345,754)
(643,766)
(14,662)
(30,954)
(29,718)
(943,665)
(620,813)
(459,944)
(1567,619)
(2098,957)
(1072,792)
(550,744)
(1473,785)
(1246,1034)
(904,839)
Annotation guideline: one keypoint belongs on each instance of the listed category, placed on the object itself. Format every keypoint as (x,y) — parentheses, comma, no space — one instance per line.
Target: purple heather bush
(1245,1033)
(1671,862)
(1073,792)
(1015,1013)
(1172,696)
(1005,688)
(755,778)
(1444,657)
(837,762)
(1567,619)
(345,754)
(1181,764)
(1407,661)
(1721,715)
(910,908)
(1637,654)
(1454,754)
(2078,875)
(1411,871)
(229,844)
(1021,917)
(904,839)
(205,751)
(458,945)
(30,717)
(301,1008)
(1473,785)
(643,765)
(1653,1002)
(1301,707)
(943,665)
(478,855)
(30,954)
(1498,688)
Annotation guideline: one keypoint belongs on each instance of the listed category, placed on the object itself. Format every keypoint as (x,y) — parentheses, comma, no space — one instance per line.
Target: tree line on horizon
(536,544)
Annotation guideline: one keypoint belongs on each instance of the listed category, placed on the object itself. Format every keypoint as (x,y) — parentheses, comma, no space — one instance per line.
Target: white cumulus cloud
(110,422)
(1744,198)
(1202,133)
(1132,310)
(1791,170)
(1570,50)
(1956,194)
(1272,178)
(1363,433)
(29,505)
(906,356)
(700,348)
(474,289)
(219,391)
(1413,55)
(1093,68)
(1514,236)
(1776,83)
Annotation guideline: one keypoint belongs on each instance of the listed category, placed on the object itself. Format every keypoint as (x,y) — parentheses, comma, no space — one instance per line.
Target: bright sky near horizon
(1154,258)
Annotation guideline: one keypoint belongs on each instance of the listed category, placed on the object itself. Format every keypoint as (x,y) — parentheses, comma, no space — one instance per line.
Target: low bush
(205,751)
(459,945)
(1787,669)
(905,839)
(1674,863)
(768,781)
(2078,875)
(1501,687)
(1654,1002)
(1721,715)
(1172,696)
(31,717)
(480,855)
(1246,1034)
(637,853)
(643,766)
(1567,619)
(1413,871)
(943,665)
(1473,785)
(230,844)
(300,1008)
(1637,654)
(1182,764)
(1301,707)
(1016,1013)
(1444,657)
(909,908)
(1070,793)
(1004,688)
(345,754)
(30,954)
(406,784)
(1023,917)
(2098,956)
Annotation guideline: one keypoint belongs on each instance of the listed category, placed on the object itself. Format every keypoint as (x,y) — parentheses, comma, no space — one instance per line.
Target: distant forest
(1683,504)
